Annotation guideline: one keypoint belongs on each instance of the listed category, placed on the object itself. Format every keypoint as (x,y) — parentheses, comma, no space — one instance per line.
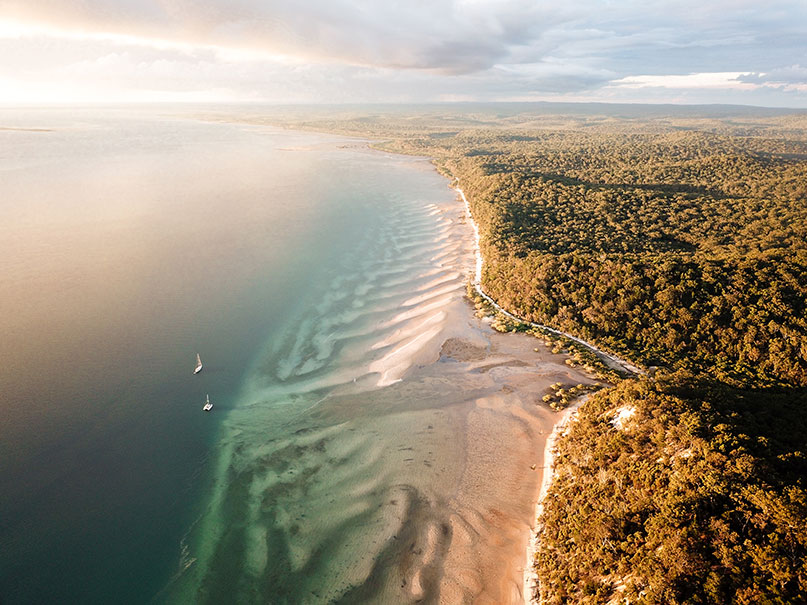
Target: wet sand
(467,429)
(491,507)
(466,532)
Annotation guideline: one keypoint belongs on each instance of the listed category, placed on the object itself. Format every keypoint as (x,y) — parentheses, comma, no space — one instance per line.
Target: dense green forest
(679,491)
(680,249)
(677,238)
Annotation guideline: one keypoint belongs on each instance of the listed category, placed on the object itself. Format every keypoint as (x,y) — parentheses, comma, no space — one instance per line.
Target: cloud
(790,78)
(420,49)
(701,81)
(454,36)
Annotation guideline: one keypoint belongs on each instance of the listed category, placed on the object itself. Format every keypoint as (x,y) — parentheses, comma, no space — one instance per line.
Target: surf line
(477,285)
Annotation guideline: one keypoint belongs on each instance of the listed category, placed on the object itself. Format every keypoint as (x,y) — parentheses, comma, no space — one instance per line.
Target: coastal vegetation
(578,354)
(676,238)
(680,250)
(685,250)
(676,250)
(678,490)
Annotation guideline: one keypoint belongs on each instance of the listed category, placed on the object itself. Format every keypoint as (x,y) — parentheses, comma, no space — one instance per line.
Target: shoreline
(474,523)
(530,580)
(501,378)
(501,575)
(477,284)
(530,577)
(421,344)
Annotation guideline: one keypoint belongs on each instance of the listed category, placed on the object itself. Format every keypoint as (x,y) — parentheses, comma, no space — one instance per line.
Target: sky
(364,51)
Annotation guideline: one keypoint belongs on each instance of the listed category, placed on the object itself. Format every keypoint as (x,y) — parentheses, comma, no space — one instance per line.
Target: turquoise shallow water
(130,242)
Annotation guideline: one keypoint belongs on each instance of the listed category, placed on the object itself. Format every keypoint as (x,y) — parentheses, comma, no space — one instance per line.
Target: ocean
(133,240)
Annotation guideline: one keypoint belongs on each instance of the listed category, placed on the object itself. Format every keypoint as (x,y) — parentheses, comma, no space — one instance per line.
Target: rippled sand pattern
(382,449)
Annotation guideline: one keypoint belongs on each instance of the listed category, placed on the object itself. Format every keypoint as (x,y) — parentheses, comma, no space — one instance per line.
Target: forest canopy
(679,491)
(680,249)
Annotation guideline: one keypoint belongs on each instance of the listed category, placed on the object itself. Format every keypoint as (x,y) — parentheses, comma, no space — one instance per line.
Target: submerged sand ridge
(445,464)
(383,451)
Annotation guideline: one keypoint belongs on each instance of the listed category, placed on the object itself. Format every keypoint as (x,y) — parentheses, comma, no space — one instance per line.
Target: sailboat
(208,405)
(198,364)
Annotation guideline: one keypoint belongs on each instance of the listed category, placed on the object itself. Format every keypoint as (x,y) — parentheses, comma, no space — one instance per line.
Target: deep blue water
(130,242)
